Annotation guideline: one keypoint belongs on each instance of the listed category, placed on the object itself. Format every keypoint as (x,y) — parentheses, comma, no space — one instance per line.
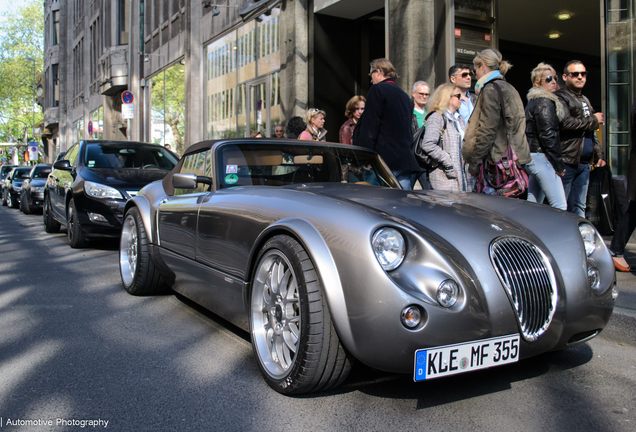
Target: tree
(168,103)
(21,36)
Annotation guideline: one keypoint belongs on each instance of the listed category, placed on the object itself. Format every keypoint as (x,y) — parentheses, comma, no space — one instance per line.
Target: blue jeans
(406,178)
(544,182)
(575,182)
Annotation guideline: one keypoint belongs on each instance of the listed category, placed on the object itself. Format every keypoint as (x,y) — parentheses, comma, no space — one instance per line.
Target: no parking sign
(33,151)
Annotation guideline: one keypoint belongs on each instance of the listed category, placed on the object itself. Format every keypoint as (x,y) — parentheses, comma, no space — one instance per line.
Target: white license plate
(465,357)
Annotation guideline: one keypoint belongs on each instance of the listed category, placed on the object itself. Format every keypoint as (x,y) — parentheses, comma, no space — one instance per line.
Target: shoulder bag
(423,159)
(504,177)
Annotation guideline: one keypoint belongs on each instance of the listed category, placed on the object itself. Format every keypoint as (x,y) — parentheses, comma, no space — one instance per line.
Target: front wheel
(294,340)
(76,237)
(11,201)
(50,224)
(138,272)
(24,204)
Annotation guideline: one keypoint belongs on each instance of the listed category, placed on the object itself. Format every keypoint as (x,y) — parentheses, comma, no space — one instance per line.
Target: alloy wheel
(128,253)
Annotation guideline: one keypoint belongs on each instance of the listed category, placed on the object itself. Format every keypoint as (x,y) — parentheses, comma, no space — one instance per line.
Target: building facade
(209,69)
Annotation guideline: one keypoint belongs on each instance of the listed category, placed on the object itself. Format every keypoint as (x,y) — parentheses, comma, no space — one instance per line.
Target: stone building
(210,69)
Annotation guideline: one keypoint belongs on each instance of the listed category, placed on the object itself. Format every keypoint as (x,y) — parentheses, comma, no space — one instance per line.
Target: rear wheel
(138,272)
(294,340)
(50,224)
(24,204)
(76,237)
(11,202)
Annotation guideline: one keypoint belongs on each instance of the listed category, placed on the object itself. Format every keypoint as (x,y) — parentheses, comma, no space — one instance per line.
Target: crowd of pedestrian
(483,140)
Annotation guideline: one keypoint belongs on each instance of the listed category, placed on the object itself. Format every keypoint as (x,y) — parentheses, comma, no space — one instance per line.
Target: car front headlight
(588,234)
(101,191)
(389,248)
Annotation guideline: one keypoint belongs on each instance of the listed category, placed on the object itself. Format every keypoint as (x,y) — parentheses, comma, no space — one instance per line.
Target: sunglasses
(577,74)
(371,73)
(548,79)
(464,74)
(458,95)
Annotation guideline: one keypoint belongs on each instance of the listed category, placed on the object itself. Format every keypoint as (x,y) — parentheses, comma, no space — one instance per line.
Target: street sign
(128,111)
(127,97)
(33,151)
(90,128)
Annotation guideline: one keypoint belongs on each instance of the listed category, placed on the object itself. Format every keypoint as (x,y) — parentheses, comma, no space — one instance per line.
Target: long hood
(461,219)
(124,177)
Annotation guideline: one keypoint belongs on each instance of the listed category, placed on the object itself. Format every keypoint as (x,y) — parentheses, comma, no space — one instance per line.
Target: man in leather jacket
(579,143)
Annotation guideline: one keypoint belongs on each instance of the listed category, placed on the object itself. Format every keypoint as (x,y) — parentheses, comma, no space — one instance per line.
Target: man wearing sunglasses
(460,76)
(579,143)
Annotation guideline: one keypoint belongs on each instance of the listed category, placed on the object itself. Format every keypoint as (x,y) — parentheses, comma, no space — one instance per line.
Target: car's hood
(124,177)
(38,182)
(453,215)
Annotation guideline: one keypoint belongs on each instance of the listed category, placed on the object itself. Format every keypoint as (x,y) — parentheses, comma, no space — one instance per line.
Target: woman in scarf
(315,130)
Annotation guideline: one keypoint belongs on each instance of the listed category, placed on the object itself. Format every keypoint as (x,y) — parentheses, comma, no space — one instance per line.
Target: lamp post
(33,108)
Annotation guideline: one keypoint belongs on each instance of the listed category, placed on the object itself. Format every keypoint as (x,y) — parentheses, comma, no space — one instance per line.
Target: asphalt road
(74,346)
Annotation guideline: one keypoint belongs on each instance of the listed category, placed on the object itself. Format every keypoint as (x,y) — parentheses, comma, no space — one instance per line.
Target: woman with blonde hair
(544,112)
(442,141)
(488,134)
(355,108)
(315,122)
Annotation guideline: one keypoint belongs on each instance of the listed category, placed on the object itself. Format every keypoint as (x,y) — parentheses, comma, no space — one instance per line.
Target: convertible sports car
(318,253)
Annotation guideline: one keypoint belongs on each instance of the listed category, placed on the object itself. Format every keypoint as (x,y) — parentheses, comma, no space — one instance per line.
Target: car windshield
(5,170)
(125,156)
(41,172)
(17,174)
(281,165)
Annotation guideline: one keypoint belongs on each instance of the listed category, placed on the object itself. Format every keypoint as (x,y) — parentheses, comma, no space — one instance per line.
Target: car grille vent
(526,273)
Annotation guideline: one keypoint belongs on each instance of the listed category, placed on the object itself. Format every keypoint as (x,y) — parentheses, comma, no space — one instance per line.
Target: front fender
(325,266)
(143,205)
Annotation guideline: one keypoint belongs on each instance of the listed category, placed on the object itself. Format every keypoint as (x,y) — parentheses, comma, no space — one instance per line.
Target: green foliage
(173,114)
(21,36)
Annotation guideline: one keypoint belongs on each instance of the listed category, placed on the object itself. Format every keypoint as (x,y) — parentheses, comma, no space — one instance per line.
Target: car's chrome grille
(525,272)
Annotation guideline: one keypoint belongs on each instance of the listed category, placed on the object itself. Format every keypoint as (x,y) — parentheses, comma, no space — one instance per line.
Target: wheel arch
(324,263)
(143,205)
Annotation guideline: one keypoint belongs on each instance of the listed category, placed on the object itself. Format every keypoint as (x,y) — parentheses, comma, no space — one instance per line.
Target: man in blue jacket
(385,125)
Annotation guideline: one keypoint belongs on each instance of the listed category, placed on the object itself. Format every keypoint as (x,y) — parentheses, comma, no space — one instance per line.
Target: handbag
(424,160)
(504,177)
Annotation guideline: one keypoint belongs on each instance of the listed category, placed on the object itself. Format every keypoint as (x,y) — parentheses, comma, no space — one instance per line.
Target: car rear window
(147,157)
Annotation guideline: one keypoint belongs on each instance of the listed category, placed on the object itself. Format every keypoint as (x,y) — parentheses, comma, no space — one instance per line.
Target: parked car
(13,182)
(4,170)
(32,190)
(87,191)
(318,253)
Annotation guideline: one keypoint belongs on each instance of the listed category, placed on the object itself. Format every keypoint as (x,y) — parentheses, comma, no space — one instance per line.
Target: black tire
(320,361)
(138,272)
(4,198)
(76,237)
(24,204)
(50,225)
(11,201)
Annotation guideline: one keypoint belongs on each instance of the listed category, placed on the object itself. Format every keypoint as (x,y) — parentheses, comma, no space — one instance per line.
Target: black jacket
(543,113)
(385,126)
(574,126)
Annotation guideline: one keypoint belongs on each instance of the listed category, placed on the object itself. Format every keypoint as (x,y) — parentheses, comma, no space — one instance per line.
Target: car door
(60,181)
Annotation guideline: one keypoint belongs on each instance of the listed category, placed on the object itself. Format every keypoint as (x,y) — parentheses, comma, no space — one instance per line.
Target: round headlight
(389,247)
(589,238)
(593,278)
(447,293)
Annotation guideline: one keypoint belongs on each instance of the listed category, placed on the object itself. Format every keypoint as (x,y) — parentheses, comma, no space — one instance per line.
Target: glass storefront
(167,98)
(619,80)
(97,117)
(79,130)
(243,80)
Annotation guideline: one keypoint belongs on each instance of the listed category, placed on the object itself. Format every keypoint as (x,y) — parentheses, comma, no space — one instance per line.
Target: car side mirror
(63,165)
(189,181)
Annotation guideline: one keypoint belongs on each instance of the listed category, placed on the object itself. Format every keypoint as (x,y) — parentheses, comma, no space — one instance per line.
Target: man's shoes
(621,264)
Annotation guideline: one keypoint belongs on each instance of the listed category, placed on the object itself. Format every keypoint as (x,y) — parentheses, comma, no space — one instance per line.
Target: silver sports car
(318,253)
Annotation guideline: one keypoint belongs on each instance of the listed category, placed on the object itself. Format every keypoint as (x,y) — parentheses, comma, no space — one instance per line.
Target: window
(194,164)
(97,117)
(96,47)
(123,8)
(56,28)
(167,95)
(71,154)
(55,85)
(78,68)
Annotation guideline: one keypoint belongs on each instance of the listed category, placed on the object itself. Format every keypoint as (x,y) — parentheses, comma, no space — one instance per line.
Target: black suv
(88,189)
(4,171)
(12,184)
(32,190)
